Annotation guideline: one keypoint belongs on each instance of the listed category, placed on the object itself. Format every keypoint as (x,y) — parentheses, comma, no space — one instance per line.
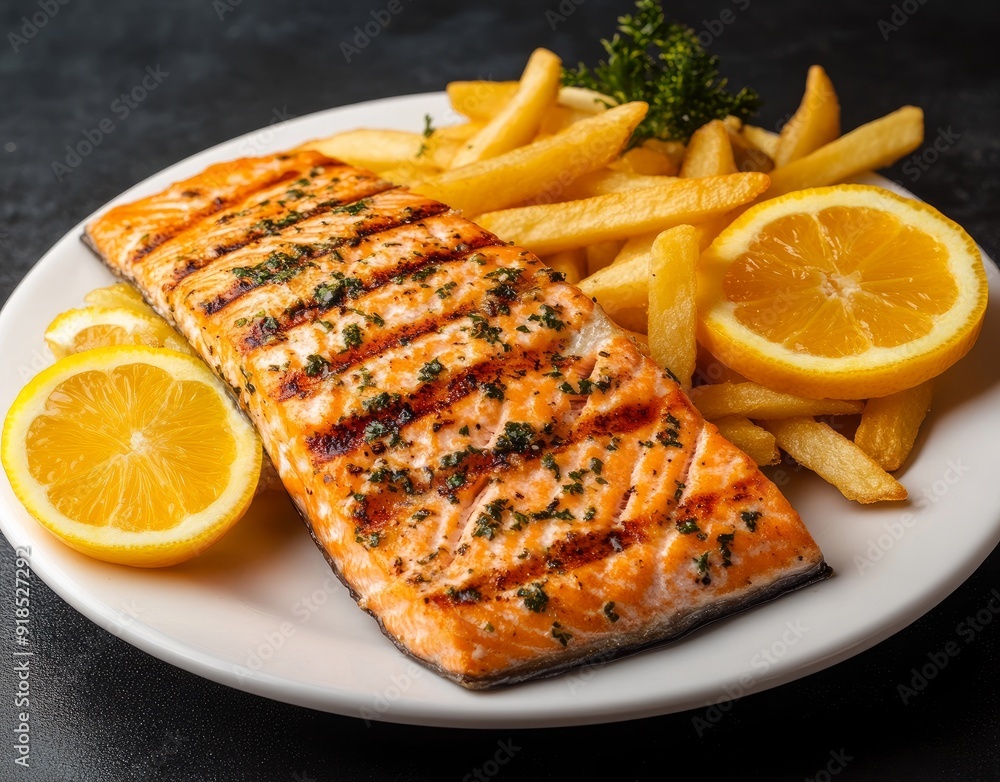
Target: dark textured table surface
(104,711)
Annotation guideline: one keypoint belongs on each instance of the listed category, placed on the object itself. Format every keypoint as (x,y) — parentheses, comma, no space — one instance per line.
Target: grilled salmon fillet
(488,463)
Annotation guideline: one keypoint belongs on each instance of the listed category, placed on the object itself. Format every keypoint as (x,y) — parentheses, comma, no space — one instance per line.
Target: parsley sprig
(663,64)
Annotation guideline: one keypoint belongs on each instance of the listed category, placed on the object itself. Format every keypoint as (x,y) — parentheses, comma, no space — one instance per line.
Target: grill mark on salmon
(309,311)
(345,437)
(373,224)
(198,257)
(634,508)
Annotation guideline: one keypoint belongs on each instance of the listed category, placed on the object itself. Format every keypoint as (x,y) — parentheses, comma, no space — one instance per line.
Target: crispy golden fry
(816,122)
(709,152)
(460,132)
(518,121)
(641,245)
(710,228)
(889,425)
(480,100)
(539,170)
(747,156)
(548,228)
(878,144)
(754,441)
(835,459)
(409,174)
(609,180)
(672,150)
(572,263)
(582,99)
(761,403)
(672,311)
(557,119)
(644,162)
(764,140)
(377,150)
(601,254)
(622,290)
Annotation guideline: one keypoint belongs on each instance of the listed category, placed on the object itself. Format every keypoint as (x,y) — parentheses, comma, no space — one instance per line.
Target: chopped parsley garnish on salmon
(277,267)
(534,596)
(430,371)
(316,365)
(560,634)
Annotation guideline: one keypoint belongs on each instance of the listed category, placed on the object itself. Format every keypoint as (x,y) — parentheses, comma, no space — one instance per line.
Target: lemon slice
(131,454)
(119,295)
(844,292)
(91,327)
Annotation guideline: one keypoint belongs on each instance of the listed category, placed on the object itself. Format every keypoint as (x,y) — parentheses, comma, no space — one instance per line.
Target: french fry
(518,121)
(548,228)
(672,150)
(557,119)
(890,424)
(816,122)
(609,180)
(746,155)
(709,152)
(409,174)
(641,245)
(622,290)
(480,100)
(762,403)
(765,140)
(836,459)
(755,441)
(878,144)
(645,162)
(541,169)
(572,263)
(377,150)
(672,311)
(582,99)
(601,254)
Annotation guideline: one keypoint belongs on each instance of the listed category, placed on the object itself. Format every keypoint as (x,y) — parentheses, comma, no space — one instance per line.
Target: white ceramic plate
(262,612)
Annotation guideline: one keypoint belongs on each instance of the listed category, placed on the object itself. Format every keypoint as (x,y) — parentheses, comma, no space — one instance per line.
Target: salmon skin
(487,462)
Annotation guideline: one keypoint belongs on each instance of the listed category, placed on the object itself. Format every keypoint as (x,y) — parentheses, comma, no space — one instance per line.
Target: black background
(102,710)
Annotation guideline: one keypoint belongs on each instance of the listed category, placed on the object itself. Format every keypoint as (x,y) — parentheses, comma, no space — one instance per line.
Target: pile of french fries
(543,166)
